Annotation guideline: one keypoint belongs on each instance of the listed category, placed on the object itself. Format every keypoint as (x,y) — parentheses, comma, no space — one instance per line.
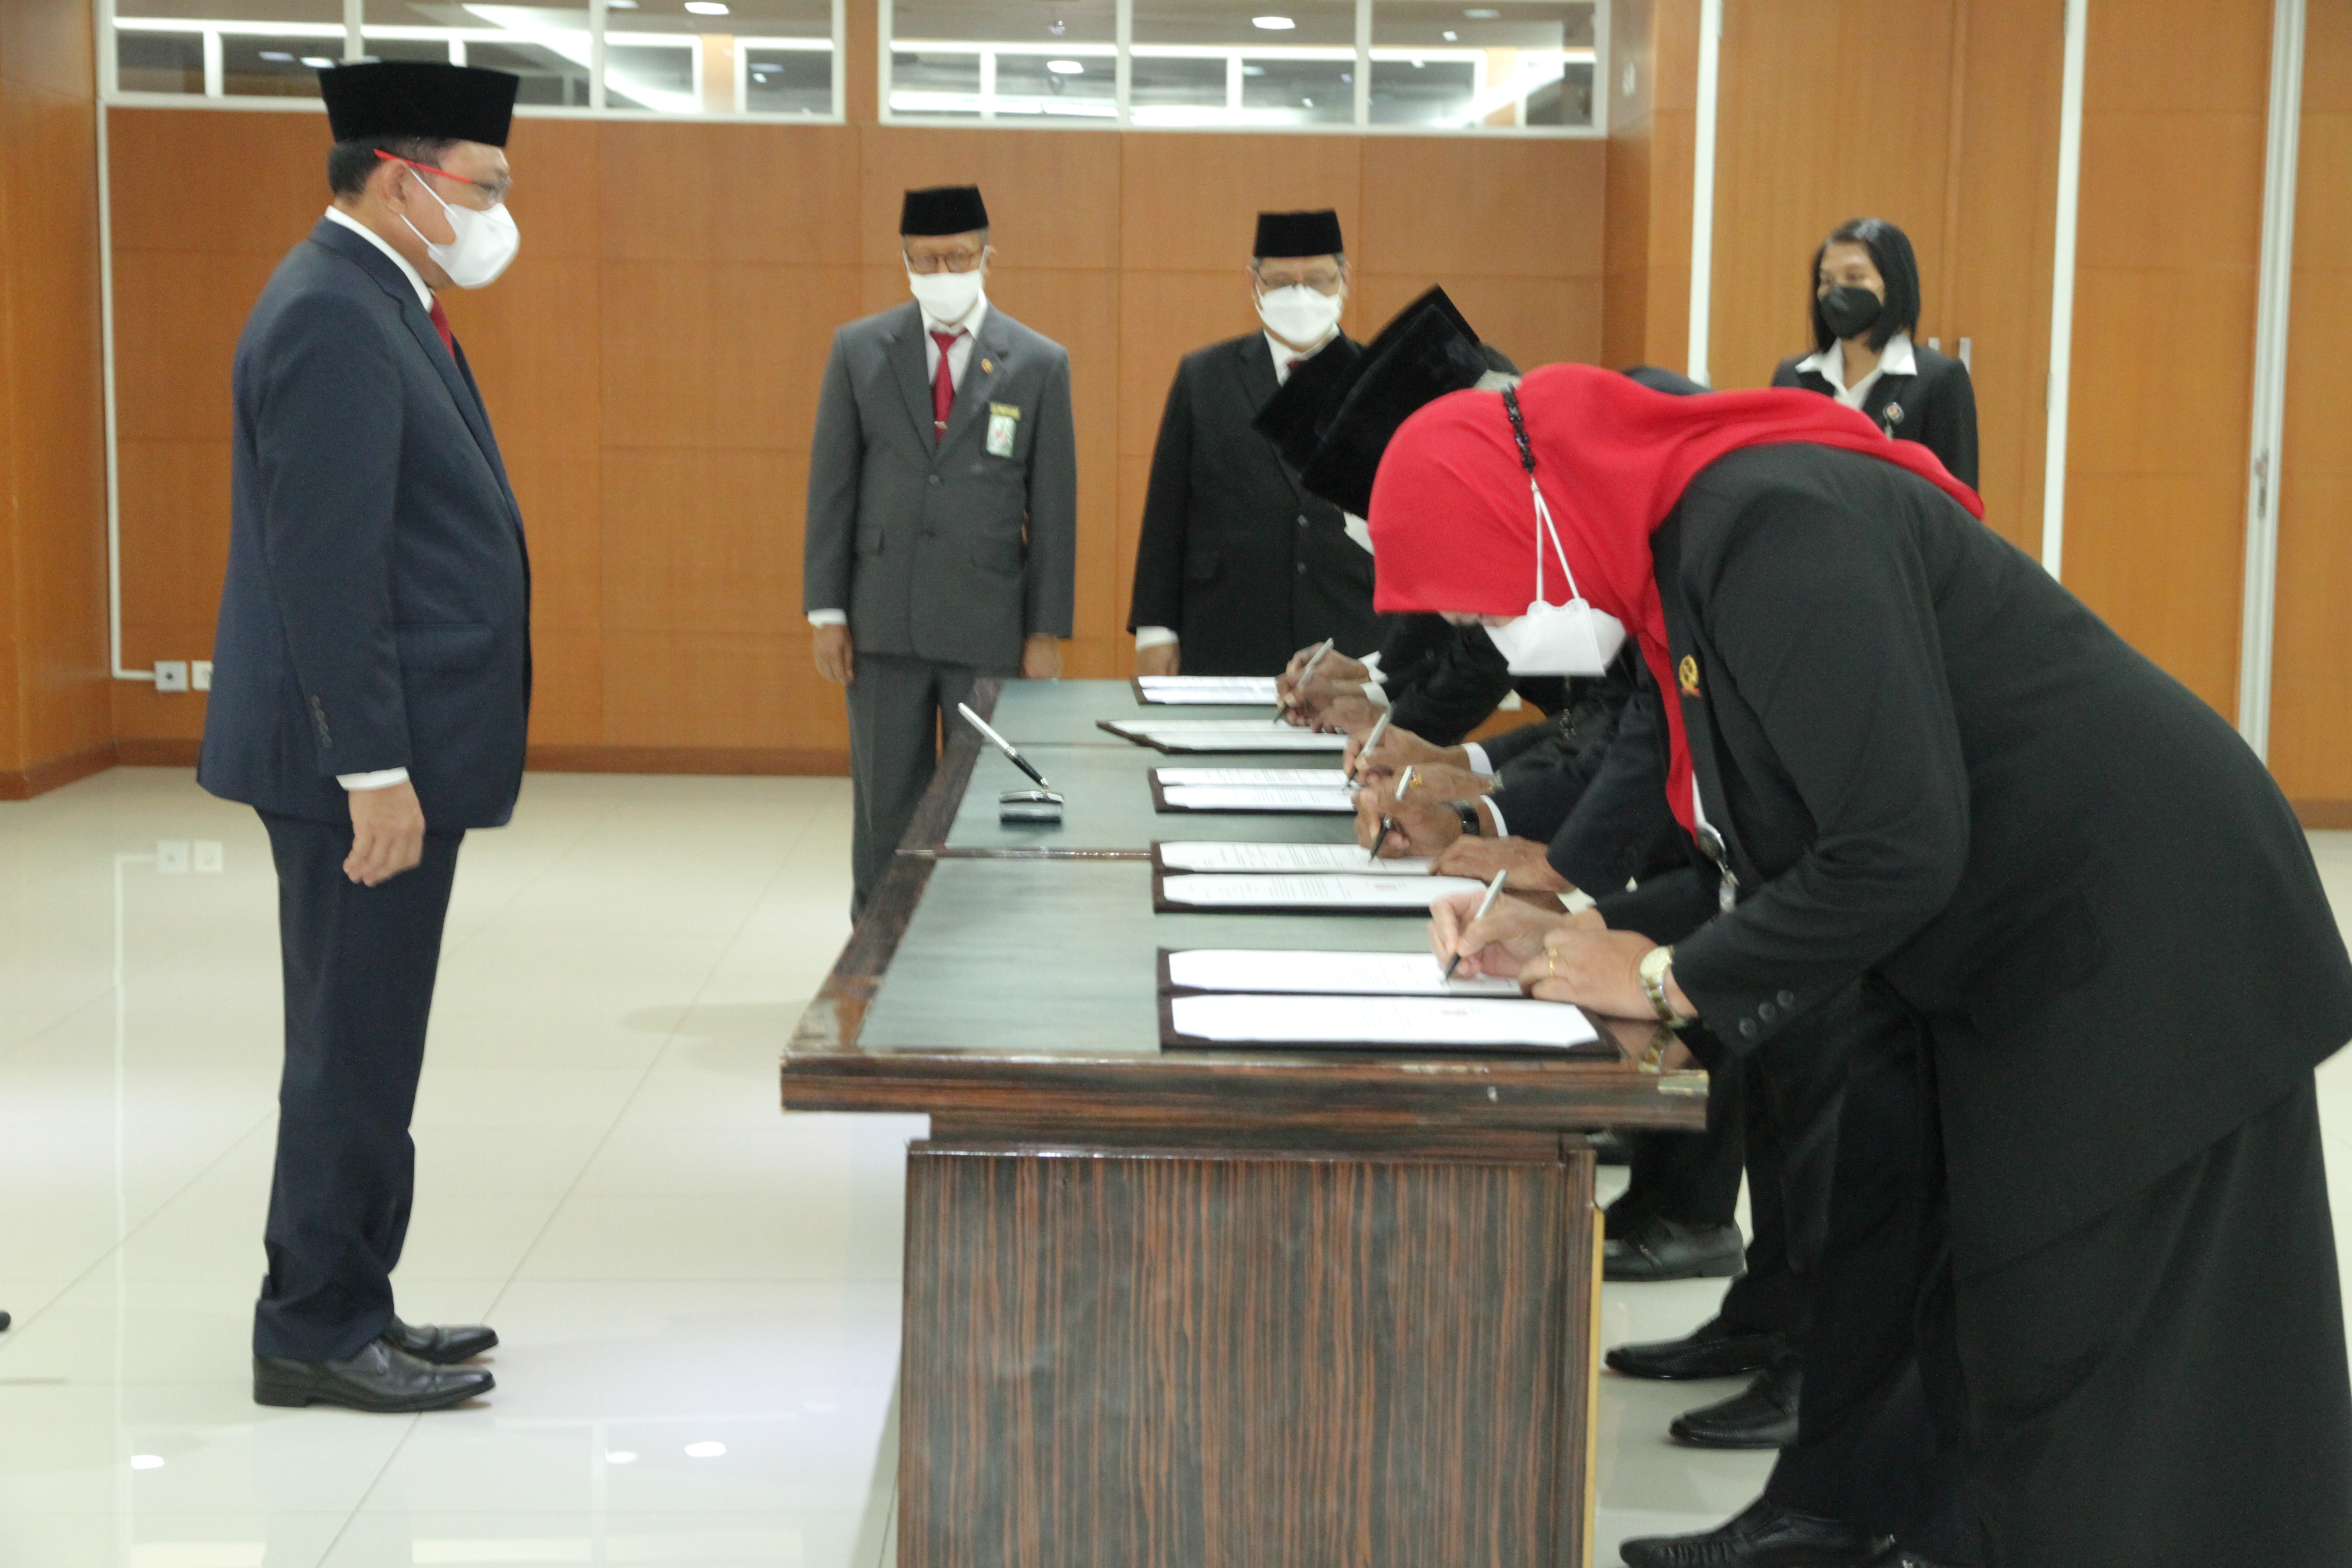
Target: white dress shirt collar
(1284,353)
(1898,358)
(415,278)
(969,321)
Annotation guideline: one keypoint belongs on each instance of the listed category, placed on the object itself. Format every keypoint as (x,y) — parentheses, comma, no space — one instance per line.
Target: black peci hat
(1416,359)
(378,100)
(1299,233)
(943,209)
(1296,416)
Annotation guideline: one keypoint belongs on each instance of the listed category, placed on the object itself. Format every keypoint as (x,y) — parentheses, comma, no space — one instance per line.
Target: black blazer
(1934,766)
(1236,558)
(1935,406)
(377,609)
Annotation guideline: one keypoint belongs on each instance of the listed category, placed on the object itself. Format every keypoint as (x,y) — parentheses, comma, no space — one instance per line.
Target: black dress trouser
(359,969)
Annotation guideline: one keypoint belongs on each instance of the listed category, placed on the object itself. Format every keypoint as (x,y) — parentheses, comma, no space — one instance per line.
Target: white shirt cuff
(1376,694)
(1153,637)
(1372,662)
(1477,755)
(383,779)
(828,617)
(1496,812)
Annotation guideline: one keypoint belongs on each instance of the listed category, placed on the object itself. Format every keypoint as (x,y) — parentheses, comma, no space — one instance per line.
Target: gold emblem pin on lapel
(988,367)
(1686,675)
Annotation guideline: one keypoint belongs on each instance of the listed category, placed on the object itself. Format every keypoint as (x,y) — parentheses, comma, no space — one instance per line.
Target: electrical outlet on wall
(171,674)
(200,674)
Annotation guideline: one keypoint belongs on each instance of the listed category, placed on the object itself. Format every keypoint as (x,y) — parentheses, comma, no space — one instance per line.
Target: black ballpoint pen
(1388,826)
(1001,744)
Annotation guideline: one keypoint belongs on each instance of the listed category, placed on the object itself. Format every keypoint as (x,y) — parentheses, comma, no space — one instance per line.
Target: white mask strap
(1544,524)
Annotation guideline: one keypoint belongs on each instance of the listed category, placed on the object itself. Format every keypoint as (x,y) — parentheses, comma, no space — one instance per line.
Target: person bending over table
(2080,1274)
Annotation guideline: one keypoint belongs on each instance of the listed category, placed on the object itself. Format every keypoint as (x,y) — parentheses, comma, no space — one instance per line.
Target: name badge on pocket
(1003,425)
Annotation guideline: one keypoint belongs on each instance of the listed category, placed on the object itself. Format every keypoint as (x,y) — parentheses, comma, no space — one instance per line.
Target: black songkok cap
(379,100)
(1296,416)
(1416,359)
(943,209)
(1299,233)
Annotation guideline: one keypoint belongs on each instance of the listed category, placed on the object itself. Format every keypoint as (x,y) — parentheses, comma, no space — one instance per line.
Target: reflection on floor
(698,1296)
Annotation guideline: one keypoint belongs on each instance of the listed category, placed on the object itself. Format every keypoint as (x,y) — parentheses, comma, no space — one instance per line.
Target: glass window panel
(693,57)
(1071,85)
(1169,82)
(1021,59)
(326,14)
(935,81)
(1298,91)
(1326,24)
(1530,62)
(1003,22)
(159,62)
(547,46)
(255,65)
(788,81)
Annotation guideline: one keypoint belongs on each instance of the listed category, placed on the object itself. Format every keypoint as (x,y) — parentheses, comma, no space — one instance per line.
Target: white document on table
(1326,973)
(1238,690)
(1258,797)
(1289,778)
(1253,739)
(1404,894)
(1451,1021)
(1338,860)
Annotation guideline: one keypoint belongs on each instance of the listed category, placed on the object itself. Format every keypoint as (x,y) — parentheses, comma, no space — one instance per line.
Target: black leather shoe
(1668,1249)
(1763,1535)
(380,1378)
(442,1347)
(4,1320)
(1763,1417)
(1708,1351)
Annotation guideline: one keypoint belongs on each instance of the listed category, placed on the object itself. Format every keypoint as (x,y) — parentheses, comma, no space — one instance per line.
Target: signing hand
(1522,861)
(835,660)
(1337,673)
(1424,823)
(1512,933)
(388,834)
(1041,657)
(1348,714)
(1600,970)
(1161,658)
(1397,748)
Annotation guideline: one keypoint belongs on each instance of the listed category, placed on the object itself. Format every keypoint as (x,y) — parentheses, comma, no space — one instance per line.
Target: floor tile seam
(603,813)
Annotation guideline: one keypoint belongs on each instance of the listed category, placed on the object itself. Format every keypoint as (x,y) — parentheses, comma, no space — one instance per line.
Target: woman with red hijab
(2080,1297)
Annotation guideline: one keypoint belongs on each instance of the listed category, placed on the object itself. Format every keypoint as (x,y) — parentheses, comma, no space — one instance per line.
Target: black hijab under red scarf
(1454,526)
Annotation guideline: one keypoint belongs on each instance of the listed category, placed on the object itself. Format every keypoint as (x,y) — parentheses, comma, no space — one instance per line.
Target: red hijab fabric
(1453,527)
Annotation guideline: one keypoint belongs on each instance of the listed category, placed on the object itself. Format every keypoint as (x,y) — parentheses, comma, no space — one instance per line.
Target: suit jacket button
(1767,1012)
(1302,522)
(1748,1028)
(1302,569)
(1787,998)
(935,478)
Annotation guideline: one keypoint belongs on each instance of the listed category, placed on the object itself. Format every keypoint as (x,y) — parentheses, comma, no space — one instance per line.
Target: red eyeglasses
(496,192)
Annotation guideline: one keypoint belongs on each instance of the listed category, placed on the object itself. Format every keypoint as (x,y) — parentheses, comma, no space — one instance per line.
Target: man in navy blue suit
(372,681)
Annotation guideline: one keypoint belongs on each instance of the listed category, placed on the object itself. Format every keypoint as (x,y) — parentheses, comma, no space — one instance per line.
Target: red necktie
(942,387)
(441,325)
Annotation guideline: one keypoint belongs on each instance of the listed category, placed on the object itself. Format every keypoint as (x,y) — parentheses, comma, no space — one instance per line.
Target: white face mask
(1573,639)
(485,242)
(945,296)
(1299,314)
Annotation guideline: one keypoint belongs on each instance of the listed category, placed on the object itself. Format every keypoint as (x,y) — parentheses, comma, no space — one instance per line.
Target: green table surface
(1107,794)
(1064,712)
(1062,957)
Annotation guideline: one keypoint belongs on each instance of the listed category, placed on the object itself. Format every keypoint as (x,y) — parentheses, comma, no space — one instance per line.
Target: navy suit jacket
(377,610)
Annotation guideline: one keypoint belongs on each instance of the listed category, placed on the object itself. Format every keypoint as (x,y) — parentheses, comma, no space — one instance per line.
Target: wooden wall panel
(2311,718)
(54,722)
(2175,101)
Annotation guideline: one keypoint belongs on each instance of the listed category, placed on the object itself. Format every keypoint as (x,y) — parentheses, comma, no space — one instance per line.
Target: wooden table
(1207,1309)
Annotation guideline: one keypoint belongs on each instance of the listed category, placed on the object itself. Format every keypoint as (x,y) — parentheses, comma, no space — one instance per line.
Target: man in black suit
(372,683)
(1239,564)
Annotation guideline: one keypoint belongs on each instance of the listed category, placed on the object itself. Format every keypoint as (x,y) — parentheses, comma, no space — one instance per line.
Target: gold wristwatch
(1656,965)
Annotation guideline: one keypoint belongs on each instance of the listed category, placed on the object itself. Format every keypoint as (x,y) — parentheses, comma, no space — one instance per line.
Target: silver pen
(1486,905)
(1312,661)
(1001,744)
(1380,729)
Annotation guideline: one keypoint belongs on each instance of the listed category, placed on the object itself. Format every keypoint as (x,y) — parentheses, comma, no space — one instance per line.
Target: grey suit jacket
(952,552)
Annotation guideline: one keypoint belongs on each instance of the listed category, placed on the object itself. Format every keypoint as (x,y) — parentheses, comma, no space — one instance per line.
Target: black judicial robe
(1935,769)
(1934,404)
(1235,557)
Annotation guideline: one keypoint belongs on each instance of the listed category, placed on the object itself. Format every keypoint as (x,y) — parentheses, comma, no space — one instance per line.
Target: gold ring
(1550,959)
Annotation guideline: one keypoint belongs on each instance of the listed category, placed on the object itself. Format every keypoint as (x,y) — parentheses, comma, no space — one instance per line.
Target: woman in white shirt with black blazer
(1866,308)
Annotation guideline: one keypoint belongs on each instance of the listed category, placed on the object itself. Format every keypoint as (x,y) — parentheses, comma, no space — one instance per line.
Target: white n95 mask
(484,243)
(1572,638)
(945,296)
(1298,314)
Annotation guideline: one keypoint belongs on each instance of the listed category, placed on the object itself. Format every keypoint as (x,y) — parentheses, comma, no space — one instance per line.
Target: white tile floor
(697,1295)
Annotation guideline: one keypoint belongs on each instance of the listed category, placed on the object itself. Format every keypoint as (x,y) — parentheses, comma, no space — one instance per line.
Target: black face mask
(1850,312)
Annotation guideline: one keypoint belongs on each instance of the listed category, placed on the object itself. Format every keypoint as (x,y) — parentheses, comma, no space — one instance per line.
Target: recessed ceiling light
(279,54)
(707,7)
(1453,38)
(622,4)
(1065,68)
(318,62)
(1253,70)
(1483,14)
(623,1456)
(705,1450)
(146,1461)
(1273,24)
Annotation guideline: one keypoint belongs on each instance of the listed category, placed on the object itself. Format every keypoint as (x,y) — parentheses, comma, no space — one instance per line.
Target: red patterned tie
(943,387)
(441,325)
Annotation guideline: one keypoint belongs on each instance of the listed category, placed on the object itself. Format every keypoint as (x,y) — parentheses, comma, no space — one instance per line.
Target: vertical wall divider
(1363,63)
(2258,614)
(597,14)
(1702,260)
(354,30)
(2061,291)
(1123,62)
(102,19)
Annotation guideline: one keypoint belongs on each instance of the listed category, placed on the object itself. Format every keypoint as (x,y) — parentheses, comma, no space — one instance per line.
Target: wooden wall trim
(2320,816)
(788,762)
(24,783)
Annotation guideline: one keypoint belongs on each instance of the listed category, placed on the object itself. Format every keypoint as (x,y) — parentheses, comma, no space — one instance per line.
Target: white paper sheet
(1237,689)
(1408,895)
(1327,973)
(1288,778)
(1256,798)
(1338,860)
(1211,741)
(1439,1022)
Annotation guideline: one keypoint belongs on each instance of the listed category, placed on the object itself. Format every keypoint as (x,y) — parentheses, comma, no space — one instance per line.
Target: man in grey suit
(942,513)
